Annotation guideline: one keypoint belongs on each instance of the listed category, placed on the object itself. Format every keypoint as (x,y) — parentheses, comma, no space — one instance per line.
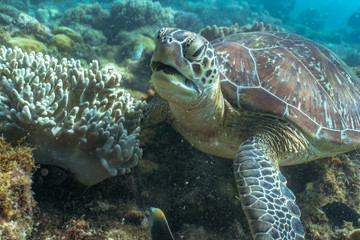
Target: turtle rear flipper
(268,204)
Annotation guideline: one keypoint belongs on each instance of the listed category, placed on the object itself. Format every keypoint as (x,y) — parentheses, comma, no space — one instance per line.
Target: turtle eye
(195,48)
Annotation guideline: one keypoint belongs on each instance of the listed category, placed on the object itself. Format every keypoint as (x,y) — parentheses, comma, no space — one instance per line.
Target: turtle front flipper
(268,204)
(156,111)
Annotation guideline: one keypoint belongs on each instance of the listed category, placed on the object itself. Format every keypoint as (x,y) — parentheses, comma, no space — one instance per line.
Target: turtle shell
(294,78)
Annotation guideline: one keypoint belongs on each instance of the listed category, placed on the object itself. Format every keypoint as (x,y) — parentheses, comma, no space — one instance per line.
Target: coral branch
(79,119)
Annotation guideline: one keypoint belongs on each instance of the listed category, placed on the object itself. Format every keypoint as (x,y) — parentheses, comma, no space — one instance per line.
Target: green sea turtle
(264,99)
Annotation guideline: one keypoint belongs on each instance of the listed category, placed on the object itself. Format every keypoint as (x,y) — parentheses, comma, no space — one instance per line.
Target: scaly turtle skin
(264,99)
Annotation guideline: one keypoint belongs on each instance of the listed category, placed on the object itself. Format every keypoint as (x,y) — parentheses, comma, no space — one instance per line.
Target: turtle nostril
(166,39)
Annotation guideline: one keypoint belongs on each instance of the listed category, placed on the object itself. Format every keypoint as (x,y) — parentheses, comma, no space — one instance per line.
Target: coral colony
(79,119)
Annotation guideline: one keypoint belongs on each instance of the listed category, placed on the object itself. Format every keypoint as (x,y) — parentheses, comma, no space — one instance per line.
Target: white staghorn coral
(79,119)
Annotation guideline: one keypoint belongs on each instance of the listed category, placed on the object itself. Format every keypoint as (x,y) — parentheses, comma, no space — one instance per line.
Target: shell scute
(298,118)
(258,99)
(326,133)
(350,137)
(309,85)
(238,64)
(230,91)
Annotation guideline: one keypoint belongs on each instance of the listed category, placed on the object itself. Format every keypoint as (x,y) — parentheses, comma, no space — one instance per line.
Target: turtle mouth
(157,66)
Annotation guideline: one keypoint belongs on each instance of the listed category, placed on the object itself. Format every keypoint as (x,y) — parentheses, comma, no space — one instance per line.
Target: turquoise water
(337,12)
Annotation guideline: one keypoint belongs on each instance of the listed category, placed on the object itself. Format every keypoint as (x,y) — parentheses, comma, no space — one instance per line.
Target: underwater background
(43,192)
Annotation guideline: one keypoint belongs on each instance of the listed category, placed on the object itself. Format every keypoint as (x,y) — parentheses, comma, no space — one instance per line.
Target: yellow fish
(159,227)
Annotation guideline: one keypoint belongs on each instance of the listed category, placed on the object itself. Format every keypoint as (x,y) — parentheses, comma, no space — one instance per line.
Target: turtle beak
(173,75)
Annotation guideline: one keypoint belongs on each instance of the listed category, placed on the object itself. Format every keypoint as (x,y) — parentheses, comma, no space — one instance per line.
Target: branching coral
(77,118)
(16,197)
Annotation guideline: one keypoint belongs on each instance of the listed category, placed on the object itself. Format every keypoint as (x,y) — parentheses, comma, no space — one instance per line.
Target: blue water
(337,11)
(334,13)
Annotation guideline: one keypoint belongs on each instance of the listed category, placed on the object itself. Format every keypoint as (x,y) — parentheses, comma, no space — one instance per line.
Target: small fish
(137,53)
(159,229)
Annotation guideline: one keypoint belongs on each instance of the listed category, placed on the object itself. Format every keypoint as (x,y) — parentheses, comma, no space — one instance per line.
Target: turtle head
(184,66)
